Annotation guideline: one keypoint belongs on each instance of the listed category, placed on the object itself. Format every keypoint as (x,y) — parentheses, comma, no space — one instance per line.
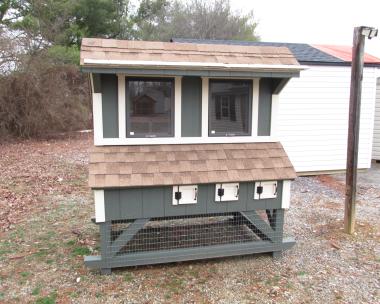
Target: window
(150,107)
(230,107)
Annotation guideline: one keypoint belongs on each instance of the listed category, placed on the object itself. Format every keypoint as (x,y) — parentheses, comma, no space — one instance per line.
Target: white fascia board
(180,64)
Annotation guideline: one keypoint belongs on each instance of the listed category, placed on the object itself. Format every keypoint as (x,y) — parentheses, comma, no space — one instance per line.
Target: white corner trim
(205,88)
(285,202)
(255,105)
(274,115)
(177,106)
(100,215)
(136,63)
(121,105)
(97,113)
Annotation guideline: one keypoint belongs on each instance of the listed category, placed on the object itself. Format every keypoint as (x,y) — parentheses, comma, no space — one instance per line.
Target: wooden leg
(105,271)
(276,254)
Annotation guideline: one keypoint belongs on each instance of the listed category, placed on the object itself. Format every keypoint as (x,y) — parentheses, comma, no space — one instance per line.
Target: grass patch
(128,277)
(175,285)
(36,291)
(51,299)
(70,243)
(25,274)
(301,273)
(79,251)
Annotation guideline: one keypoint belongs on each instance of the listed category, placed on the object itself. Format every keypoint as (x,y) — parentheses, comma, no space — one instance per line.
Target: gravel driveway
(47,230)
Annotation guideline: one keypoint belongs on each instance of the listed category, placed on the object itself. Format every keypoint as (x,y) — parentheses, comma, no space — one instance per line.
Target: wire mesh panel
(180,238)
(172,233)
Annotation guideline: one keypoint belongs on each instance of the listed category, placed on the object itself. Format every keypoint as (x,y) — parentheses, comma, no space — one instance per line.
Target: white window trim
(185,140)
(177,106)
(177,139)
(122,106)
(205,93)
(255,106)
(98,118)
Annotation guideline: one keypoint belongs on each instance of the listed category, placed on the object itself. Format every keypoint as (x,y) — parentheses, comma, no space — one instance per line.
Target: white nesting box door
(231,192)
(269,190)
(189,194)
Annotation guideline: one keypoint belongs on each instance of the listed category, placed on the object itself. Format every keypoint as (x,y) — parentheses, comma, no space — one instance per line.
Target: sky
(314,22)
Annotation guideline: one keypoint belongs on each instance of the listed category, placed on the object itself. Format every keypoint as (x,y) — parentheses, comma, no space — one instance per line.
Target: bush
(42,98)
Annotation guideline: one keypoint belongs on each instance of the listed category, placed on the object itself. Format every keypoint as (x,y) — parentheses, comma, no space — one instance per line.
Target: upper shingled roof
(305,53)
(110,52)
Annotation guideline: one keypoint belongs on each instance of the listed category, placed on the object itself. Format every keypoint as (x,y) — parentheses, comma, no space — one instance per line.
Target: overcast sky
(318,22)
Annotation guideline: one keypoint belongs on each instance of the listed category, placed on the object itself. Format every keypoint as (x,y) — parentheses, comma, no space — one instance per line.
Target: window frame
(250,105)
(128,112)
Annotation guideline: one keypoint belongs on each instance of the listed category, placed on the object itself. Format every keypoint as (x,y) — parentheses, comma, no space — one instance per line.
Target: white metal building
(313,109)
(376,131)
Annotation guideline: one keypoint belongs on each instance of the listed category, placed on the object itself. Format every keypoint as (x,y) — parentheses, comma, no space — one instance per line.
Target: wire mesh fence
(170,233)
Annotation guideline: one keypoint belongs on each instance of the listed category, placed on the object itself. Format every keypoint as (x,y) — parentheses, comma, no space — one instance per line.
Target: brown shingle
(187,164)
(109,49)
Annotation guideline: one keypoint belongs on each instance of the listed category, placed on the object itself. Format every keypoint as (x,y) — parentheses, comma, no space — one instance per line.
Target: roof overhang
(210,69)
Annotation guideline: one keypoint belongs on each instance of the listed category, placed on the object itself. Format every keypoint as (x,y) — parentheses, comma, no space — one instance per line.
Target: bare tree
(198,19)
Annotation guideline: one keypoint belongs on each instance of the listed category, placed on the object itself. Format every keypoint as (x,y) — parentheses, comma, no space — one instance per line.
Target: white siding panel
(376,131)
(313,118)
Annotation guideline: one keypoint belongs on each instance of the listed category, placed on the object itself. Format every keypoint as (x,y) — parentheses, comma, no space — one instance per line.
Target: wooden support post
(353,125)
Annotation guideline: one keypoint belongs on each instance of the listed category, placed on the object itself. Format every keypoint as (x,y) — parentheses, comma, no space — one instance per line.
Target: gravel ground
(43,242)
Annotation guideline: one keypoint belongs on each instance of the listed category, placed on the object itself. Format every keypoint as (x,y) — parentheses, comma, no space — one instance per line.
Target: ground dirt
(45,229)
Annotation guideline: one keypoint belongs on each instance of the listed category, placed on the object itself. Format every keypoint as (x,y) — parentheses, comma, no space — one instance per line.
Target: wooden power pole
(354,122)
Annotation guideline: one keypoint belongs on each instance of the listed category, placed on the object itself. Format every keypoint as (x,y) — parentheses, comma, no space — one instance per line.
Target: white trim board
(137,63)
(100,215)
(184,140)
(177,106)
(98,118)
(285,201)
(205,101)
(255,106)
(121,101)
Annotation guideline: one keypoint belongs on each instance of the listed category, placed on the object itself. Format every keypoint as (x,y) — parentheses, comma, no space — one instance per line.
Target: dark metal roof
(305,53)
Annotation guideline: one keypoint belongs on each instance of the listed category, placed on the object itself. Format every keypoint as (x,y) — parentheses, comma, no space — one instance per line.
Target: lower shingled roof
(158,165)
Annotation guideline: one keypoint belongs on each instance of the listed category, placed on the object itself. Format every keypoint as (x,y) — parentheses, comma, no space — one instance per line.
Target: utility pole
(354,122)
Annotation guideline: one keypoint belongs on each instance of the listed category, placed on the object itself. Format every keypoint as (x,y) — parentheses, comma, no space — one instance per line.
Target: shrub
(43,98)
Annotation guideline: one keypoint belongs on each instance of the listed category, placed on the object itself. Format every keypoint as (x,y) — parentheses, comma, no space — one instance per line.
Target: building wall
(313,118)
(376,131)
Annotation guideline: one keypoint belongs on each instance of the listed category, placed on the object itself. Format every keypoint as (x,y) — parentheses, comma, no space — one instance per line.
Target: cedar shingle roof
(157,165)
(153,51)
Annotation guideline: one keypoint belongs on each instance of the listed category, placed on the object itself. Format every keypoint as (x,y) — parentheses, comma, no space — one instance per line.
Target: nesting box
(185,163)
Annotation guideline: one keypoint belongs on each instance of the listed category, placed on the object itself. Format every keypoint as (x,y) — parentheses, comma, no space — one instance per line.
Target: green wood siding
(191,116)
(265,107)
(109,89)
(97,83)
(149,202)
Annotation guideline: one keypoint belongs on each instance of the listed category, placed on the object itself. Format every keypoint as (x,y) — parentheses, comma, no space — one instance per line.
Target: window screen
(150,107)
(230,107)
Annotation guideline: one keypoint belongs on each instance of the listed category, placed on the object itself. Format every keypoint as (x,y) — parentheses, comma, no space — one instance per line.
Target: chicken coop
(186,164)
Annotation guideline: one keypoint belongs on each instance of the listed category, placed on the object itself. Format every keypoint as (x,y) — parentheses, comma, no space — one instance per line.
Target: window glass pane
(150,107)
(229,107)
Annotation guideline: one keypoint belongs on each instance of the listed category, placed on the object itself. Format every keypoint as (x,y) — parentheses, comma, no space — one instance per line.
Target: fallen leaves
(32,170)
